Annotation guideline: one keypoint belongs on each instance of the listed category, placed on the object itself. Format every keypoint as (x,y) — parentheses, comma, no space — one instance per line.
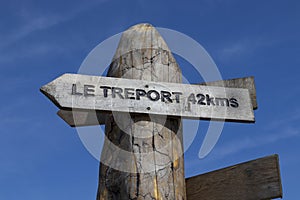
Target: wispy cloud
(236,146)
(35,22)
(286,127)
(29,23)
(236,48)
(36,49)
(243,46)
(284,120)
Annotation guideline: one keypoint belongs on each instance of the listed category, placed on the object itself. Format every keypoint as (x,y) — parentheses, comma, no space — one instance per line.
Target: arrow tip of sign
(47,90)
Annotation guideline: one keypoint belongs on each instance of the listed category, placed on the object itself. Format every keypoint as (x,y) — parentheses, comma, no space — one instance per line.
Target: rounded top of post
(140,36)
(142,26)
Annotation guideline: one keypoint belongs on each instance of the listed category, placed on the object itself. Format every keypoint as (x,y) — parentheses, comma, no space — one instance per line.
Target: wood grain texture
(255,180)
(90,118)
(153,167)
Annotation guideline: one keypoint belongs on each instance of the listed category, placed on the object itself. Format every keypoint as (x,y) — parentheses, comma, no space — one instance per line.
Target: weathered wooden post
(154,143)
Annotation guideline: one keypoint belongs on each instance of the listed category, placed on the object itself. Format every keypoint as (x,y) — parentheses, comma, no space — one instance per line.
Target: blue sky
(42,158)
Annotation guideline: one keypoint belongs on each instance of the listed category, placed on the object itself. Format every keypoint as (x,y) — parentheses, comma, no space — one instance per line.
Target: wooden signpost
(144,79)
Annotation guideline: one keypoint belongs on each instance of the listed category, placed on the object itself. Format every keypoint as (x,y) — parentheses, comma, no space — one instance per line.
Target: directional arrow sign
(76,118)
(74,91)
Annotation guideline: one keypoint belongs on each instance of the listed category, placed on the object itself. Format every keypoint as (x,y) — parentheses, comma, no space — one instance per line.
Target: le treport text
(154,95)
